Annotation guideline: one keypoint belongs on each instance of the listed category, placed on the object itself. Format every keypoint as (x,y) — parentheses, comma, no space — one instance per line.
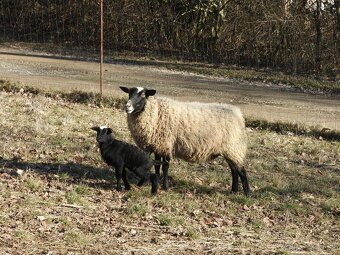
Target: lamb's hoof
(165,186)
(119,189)
(127,187)
(140,183)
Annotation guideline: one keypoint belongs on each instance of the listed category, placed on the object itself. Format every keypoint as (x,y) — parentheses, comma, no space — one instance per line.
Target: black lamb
(122,156)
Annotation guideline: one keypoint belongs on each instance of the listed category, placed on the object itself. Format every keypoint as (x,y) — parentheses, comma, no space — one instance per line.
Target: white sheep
(190,131)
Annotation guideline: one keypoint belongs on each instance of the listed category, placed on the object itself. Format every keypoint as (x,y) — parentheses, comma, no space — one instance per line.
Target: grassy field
(57,196)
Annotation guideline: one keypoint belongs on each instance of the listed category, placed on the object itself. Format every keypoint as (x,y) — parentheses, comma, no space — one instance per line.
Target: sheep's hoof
(234,191)
(127,187)
(247,193)
(119,189)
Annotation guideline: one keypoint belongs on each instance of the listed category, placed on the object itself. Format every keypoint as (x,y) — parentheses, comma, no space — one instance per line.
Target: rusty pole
(101,47)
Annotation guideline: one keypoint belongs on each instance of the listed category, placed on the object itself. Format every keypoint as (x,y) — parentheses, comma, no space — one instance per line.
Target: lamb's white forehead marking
(139,89)
(102,127)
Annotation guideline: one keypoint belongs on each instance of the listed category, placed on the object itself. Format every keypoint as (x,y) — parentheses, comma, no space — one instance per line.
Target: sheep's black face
(137,98)
(104,134)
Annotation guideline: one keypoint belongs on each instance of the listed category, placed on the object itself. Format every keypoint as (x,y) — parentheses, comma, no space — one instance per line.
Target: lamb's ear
(95,129)
(150,92)
(109,131)
(125,89)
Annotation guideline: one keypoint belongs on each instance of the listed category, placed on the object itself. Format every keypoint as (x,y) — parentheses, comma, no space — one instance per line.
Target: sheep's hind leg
(165,169)
(126,183)
(234,174)
(244,179)
(119,171)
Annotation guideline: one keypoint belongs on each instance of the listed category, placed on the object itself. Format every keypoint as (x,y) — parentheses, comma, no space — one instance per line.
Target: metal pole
(101,47)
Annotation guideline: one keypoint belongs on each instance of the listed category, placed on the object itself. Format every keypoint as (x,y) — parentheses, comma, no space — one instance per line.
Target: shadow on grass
(77,173)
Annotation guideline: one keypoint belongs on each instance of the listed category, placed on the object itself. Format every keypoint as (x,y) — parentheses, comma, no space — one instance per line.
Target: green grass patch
(171,220)
(241,199)
(72,197)
(82,189)
(137,209)
(64,177)
(22,235)
(294,208)
(77,238)
(331,206)
(65,222)
(192,233)
(33,184)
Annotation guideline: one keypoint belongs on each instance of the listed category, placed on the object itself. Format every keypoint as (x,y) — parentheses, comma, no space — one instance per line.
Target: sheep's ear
(150,92)
(125,89)
(109,131)
(95,128)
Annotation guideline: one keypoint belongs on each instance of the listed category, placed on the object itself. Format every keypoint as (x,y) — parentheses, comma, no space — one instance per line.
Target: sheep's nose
(129,107)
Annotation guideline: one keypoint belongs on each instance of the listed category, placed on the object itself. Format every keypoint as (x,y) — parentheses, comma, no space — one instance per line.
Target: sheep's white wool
(102,127)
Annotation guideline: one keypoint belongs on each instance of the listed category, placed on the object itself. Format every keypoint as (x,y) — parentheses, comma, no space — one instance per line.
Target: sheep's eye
(142,94)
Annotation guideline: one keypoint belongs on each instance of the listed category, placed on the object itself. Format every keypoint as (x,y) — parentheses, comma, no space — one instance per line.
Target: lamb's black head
(104,134)
(137,98)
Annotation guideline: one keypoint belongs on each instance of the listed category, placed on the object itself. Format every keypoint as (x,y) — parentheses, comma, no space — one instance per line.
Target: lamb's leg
(119,171)
(140,174)
(158,166)
(141,182)
(154,183)
(126,183)
(165,169)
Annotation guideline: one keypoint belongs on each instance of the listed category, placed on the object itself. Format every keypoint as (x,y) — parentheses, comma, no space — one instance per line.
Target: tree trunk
(318,38)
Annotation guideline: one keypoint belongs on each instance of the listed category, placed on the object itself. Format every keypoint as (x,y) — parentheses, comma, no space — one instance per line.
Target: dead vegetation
(57,197)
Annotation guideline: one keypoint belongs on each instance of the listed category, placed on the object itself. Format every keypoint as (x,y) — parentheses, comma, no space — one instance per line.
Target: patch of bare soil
(256,99)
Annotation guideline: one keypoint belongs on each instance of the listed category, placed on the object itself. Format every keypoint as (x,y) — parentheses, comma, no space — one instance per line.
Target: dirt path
(258,100)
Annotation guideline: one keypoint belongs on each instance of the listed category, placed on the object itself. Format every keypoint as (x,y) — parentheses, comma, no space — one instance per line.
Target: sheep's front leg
(119,171)
(126,183)
(165,168)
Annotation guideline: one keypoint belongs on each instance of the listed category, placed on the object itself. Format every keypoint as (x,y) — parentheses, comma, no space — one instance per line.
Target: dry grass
(64,202)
